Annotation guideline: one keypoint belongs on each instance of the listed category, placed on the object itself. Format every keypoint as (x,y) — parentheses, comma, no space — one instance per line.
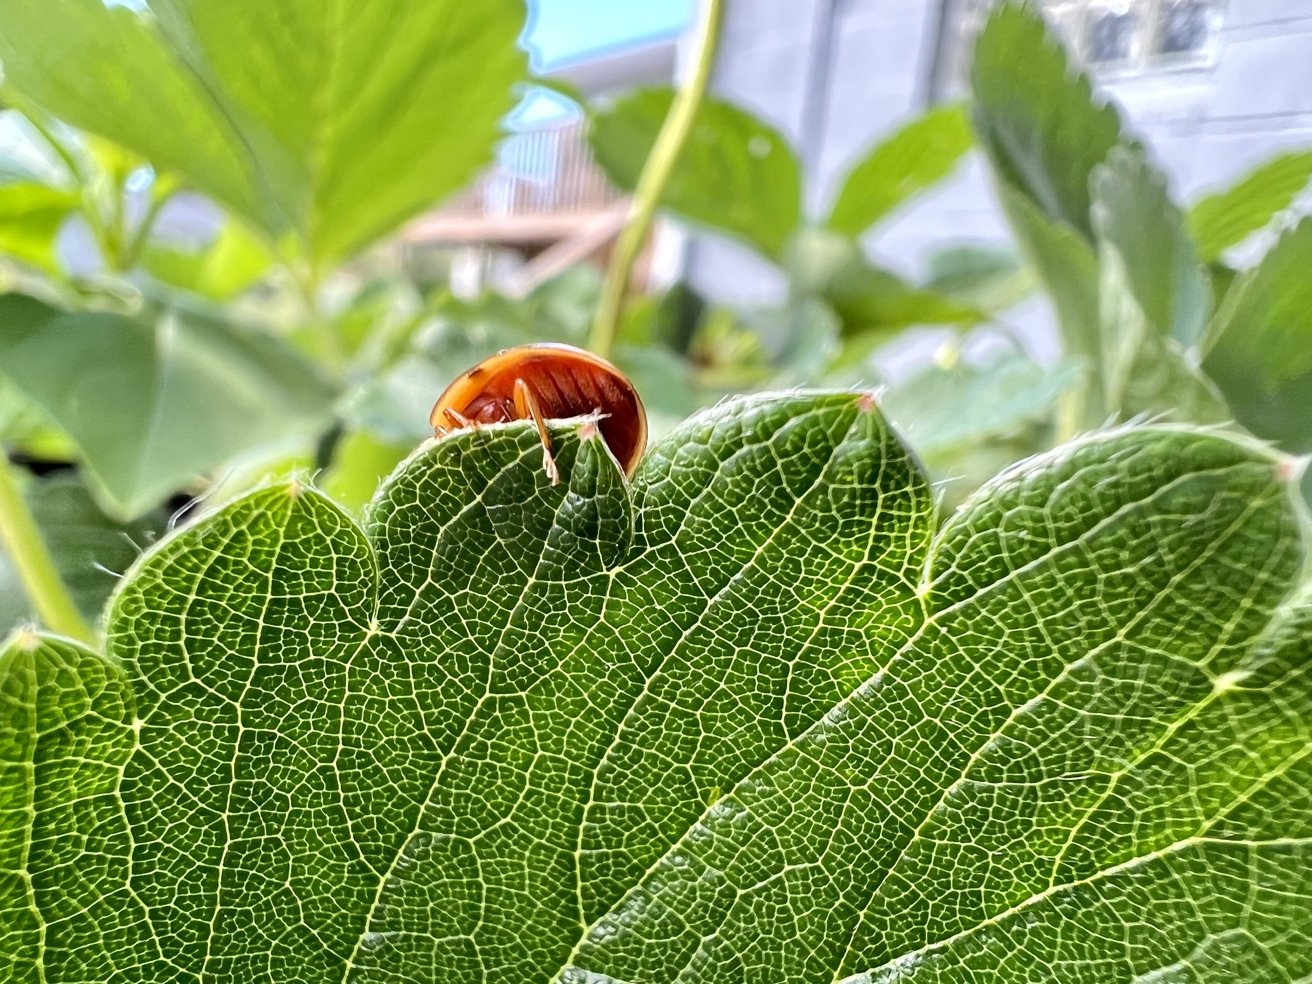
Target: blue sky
(561,30)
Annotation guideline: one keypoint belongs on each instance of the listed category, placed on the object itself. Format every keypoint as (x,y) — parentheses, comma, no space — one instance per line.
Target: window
(1112,37)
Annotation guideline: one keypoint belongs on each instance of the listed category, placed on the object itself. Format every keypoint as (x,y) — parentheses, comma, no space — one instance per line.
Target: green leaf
(1142,234)
(300,116)
(1036,118)
(943,409)
(914,159)
(1068,269)
(870,302)
(90,549)
(1259,349)
(1226,218)
(361,461)
(154,402)
(725,724)
(1155,298)
(737,174)
(233,262)
(31,216)
(987,277)
(66,730)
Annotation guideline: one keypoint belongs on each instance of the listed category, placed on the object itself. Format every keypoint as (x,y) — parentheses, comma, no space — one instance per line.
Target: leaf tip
(868,402)
(1291,468)
(26,640)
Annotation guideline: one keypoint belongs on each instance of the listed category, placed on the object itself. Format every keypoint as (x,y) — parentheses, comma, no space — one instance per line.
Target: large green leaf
(1036,118)
(916,158)
(153,402)
(746,720)
(1226,218)
(331,121)
(1260,344)
(737,174)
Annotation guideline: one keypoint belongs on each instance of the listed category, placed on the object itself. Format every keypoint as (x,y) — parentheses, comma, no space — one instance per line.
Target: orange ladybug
(542,382)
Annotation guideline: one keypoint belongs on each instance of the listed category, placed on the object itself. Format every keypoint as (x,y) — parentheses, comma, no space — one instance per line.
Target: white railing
(548,170)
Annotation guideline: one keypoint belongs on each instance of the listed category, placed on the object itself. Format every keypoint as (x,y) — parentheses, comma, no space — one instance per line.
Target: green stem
(27,551)
(137,243)
(655,176)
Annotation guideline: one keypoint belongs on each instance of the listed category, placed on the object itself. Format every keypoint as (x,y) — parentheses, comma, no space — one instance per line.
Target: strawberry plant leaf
(737,173)
(899,167)
(331,122)
(748,718)
(1225,219)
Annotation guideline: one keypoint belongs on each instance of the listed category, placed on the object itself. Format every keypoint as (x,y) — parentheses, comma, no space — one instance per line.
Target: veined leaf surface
(748,718)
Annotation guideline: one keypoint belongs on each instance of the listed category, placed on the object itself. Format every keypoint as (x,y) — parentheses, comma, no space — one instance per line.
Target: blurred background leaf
(896,169)
(1259,348)
(154,401)
(737,174)
(1227,218)
(301,120)
(90,548)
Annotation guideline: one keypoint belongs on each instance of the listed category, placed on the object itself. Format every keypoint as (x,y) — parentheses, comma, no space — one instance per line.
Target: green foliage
(1155,299)
(1259,348)
(737,173)
(154,399)
(1036,118)
(1134,282)
(988,278)
(959,402)
(740,177)
(1227,218)
(871,303)
(513,732)
(895,170)
(296,116)
(233,262)
(90,548)
(31,216)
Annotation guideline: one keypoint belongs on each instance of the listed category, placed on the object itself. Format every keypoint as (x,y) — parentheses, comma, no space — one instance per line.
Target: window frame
(960,20)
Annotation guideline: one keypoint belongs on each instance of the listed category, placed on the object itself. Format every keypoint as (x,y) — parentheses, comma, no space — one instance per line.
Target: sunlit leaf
(895,170)
(727,724)
(300,115)
(31,216)
(737,174)
(233,262)
(1226,218)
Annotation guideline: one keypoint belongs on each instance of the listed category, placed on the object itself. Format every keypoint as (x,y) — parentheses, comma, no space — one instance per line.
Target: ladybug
(542,382)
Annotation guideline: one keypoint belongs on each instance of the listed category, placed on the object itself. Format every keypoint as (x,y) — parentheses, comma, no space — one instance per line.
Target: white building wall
(1207,126)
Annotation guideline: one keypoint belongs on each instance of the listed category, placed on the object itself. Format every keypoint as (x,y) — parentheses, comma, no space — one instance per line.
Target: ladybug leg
(526,405)
(458,420)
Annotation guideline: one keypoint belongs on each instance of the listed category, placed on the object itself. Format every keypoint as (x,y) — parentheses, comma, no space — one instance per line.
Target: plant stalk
(27,550)
(655,177)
